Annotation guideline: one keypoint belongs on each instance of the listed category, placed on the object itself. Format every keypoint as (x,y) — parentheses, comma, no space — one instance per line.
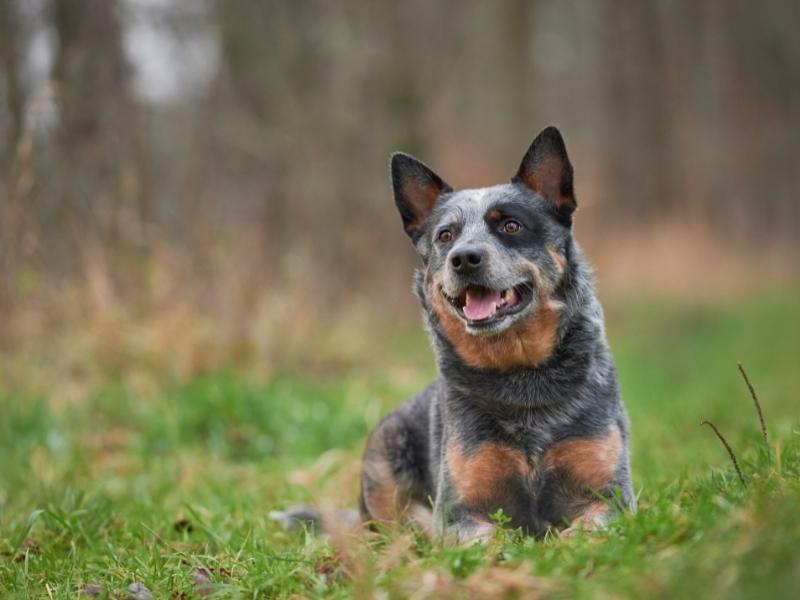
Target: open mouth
(481,306)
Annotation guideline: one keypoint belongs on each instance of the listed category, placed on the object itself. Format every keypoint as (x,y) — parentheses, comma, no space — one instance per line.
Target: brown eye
(445,236)
(511,227)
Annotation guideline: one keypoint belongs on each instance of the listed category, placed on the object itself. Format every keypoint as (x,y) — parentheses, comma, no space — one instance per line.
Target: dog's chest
(538,471)
(529,432)
(514,463)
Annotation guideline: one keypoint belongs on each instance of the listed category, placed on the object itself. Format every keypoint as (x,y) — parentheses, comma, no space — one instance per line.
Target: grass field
(125,478)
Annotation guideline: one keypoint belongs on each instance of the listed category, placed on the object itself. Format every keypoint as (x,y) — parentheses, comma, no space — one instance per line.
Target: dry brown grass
(183,311)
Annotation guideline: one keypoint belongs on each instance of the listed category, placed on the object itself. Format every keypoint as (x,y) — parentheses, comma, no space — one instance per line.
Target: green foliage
(170,486)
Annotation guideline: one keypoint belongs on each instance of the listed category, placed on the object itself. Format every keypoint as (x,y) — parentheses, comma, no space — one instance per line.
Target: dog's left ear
(547,171)
(416,191)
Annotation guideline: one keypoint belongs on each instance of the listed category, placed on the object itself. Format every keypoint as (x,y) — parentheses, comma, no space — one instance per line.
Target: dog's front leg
(476,480)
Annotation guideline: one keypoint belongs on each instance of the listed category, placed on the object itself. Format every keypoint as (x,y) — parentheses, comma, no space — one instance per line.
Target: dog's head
(492,256)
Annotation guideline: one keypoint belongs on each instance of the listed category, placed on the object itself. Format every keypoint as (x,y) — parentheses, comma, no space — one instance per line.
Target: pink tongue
(480,303)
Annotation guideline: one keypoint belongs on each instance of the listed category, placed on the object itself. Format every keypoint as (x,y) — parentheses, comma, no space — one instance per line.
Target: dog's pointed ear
(547,171)
(416,191)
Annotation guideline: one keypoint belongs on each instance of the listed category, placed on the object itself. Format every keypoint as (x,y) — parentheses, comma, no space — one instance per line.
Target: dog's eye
(445,236)
(511,227)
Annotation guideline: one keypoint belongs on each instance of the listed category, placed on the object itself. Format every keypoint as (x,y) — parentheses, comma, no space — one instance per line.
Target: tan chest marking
(591,462)
(477,474)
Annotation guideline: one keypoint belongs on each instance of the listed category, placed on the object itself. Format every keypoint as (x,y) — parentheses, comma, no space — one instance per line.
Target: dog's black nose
(467,260)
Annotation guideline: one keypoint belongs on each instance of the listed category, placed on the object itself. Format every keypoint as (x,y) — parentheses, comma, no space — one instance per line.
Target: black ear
(416,190)
(547,171)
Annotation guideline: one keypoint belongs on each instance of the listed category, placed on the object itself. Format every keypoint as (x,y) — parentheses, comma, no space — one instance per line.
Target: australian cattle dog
(526,414)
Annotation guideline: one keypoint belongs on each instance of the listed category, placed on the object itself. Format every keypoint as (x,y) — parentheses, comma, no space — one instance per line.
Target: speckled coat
(526,413)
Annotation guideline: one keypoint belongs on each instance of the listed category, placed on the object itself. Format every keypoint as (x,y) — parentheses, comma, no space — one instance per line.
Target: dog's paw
(571,531)
(468,534)
(596,517)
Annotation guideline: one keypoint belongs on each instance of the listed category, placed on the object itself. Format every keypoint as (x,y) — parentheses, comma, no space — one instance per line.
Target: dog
(526,414)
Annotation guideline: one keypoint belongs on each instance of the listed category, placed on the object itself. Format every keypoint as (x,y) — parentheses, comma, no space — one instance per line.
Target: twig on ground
(728,448)
(755,401)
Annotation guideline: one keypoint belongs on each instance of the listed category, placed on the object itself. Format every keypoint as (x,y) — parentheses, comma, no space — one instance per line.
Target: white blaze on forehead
(476,195)
(480,197)
(473,205)
(470,206)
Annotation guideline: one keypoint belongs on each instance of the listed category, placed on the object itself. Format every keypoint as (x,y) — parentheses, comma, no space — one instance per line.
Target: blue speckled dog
(526,414)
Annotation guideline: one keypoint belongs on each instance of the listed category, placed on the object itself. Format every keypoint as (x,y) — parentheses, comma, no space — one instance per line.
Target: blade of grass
(728,448)
(754,396)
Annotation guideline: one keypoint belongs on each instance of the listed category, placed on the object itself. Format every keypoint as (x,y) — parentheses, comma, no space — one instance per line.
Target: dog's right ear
(416,191)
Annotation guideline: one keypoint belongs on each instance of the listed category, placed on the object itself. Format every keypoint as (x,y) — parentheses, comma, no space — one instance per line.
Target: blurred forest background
(210,178)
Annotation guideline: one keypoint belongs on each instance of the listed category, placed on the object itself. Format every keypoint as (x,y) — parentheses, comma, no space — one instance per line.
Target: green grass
(168,482)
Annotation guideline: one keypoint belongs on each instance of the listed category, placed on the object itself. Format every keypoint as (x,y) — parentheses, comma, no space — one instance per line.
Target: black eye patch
(524,214)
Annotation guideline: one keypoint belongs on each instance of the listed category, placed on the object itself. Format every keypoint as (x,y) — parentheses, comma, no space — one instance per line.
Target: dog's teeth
(504,295)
